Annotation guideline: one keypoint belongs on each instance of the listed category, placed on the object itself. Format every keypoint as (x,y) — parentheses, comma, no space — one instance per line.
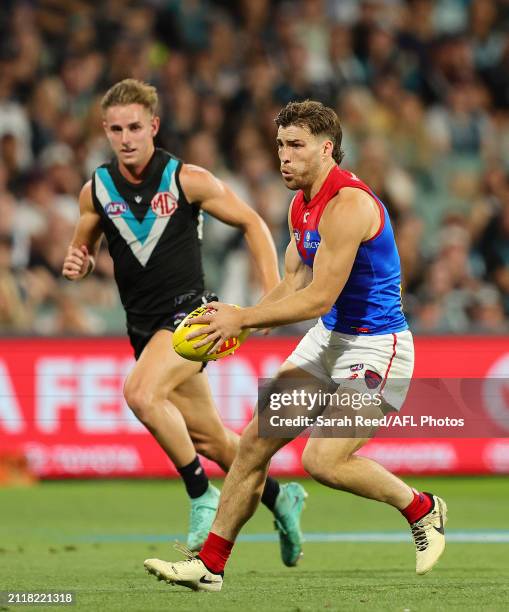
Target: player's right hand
(76,263)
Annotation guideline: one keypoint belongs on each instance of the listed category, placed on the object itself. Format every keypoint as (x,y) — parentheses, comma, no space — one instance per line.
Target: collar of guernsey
(370,302)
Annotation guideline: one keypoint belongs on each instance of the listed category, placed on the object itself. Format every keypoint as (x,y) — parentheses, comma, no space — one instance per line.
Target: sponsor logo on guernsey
(296,233)
(356,367)
(311,240)
(115,209)
(164,204)
(306,215)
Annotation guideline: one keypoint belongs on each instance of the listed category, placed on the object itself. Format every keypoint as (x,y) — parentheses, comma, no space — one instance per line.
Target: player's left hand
(223,322)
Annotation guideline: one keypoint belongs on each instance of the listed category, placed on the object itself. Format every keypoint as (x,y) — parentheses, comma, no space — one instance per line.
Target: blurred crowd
(421,88)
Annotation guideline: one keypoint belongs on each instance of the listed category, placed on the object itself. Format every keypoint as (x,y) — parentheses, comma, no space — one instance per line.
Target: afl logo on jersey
(164,204)
(296,234)
(115,209)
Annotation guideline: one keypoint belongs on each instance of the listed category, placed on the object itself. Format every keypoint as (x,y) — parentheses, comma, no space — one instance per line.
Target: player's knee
(318,466)
(329,470)
(140,400)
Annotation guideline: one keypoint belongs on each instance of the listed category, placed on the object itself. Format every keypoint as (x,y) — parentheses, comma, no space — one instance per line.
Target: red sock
(418,507)
(215,553)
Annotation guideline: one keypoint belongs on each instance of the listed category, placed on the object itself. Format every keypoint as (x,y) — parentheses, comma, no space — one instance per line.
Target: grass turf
(92,538)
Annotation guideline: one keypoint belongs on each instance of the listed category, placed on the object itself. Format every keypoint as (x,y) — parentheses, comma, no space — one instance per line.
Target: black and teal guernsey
(153,234)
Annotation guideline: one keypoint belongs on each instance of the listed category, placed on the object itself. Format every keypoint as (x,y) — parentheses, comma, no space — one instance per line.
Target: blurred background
(422,91)
(421,88)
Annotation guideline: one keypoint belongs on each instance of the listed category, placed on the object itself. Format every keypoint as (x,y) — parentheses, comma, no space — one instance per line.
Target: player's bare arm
(81,254)
(216,198)
(350,218)
(296,274)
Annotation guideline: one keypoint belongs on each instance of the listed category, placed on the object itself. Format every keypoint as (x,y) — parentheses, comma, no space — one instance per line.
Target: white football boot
(190,573)
(429,536)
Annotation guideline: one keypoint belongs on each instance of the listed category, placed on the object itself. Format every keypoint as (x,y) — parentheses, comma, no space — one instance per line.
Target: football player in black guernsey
(149,205)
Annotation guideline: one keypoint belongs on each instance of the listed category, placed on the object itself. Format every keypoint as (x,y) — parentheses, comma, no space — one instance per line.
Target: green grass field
(92,538)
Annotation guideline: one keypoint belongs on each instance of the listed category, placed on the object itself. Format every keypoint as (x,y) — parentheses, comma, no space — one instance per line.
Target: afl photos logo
(164,204)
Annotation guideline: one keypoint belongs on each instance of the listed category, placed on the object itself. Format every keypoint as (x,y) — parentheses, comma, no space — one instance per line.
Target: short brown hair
(318,118)
(131,91)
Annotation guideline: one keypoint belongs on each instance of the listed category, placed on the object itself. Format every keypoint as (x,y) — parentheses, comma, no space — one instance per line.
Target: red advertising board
(61,404)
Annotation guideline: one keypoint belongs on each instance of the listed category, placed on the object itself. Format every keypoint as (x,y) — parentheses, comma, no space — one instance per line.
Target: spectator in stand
(15,315)
(389,181)
(495,249)
(346,68)
(487,39)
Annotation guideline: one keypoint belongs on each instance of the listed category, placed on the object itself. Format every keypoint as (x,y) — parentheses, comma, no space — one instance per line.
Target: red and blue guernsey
(370,302)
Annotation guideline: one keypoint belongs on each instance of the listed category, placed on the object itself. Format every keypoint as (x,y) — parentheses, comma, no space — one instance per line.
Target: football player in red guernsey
(342,267)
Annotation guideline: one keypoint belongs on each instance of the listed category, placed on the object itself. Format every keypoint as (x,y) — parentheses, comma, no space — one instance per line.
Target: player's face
(130,130)
(301,155)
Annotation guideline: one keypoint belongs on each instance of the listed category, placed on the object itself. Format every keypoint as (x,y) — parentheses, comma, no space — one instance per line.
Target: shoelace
(186,551)
(419,532)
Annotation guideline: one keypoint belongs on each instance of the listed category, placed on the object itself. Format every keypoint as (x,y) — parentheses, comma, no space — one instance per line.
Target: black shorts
(141,329)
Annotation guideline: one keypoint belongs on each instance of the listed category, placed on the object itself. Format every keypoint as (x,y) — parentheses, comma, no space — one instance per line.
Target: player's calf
(221,450)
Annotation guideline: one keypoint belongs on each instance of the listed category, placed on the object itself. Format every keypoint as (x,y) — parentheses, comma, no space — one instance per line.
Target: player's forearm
(263,251)
(83,241)
(299,306)
(92,245)
(280,291)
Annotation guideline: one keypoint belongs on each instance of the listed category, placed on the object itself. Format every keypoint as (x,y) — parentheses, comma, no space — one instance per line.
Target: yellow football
(185,347)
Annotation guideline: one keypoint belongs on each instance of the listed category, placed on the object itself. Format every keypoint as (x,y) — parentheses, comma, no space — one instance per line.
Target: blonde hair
(131,91)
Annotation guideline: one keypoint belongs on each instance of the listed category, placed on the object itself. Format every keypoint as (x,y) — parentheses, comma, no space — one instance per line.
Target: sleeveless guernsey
(153,234)
(370,302)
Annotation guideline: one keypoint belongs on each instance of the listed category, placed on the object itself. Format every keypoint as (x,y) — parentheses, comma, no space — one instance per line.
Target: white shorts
(382,364)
